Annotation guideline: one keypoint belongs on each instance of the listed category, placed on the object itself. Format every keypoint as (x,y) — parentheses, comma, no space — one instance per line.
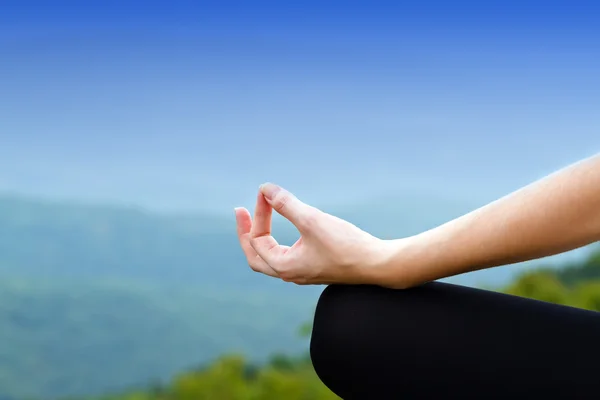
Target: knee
(319,334)
(324,352)
(342,316)
(323,325)
(338,336)
(353,323)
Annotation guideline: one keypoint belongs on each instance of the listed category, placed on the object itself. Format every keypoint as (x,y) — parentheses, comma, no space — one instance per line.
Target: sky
(191,105)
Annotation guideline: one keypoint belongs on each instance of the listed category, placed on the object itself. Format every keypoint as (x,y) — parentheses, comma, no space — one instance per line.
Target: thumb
(287,205)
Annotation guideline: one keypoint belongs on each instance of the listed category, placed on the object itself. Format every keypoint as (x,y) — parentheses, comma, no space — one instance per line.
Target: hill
(94,298)
(67,338)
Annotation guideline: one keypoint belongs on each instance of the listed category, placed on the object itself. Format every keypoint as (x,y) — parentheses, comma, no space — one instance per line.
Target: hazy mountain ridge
(91,241)
(46,237)
(79,241)
(94,298)
(68,338)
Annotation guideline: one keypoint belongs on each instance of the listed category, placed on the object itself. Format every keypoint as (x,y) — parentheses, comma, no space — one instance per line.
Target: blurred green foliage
(576,285)
(232,378)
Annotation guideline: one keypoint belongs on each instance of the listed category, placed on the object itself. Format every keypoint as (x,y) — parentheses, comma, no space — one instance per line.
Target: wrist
(398,264)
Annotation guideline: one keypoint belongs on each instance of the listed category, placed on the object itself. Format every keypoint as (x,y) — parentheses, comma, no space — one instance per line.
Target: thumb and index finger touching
(272,197)
(287,205)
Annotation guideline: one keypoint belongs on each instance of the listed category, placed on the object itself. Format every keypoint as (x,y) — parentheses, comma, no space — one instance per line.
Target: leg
(441,341)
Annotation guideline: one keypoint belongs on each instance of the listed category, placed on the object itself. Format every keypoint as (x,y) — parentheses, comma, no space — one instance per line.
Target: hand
(330,250)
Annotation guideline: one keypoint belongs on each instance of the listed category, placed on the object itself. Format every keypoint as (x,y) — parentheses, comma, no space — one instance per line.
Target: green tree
(587,295)
(541,285)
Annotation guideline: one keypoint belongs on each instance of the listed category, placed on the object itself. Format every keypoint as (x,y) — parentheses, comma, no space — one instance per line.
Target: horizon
(490,277)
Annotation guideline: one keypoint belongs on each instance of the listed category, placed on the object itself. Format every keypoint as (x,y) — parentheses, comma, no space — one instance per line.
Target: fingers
(244,227)
(257,264)
(262,250)
(243,221)
(262,217)
(268,249)
(261,240)
(289,206)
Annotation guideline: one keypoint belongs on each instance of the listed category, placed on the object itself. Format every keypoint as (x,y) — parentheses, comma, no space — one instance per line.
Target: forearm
(556,214)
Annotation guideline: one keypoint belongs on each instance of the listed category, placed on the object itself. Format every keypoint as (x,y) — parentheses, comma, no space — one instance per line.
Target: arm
(556,214)
(553,215)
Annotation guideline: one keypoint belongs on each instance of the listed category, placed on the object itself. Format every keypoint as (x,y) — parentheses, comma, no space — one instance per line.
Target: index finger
(244,225)
(263,214)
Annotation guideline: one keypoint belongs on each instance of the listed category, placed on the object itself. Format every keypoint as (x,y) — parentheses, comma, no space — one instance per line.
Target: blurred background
(130,130)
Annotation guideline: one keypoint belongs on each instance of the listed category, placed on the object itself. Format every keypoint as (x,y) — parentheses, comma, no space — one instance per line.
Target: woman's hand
(553,215)
(330,250)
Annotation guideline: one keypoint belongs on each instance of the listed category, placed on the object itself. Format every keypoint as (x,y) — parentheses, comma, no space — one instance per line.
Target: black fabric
(443,341)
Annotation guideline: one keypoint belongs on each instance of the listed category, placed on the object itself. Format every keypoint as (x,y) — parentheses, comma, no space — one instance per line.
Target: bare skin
(558,213)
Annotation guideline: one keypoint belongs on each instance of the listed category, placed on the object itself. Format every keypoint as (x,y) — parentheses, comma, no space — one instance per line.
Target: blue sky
(191,105)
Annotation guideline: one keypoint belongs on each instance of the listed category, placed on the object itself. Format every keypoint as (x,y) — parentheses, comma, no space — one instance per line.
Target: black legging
(442,341)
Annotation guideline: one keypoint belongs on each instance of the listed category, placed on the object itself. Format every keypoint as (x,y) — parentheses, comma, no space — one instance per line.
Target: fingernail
(269,190)
(235,212)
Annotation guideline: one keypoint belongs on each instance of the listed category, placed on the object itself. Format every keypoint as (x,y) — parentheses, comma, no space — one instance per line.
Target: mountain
(95,298)
(67,240)
(75,338)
